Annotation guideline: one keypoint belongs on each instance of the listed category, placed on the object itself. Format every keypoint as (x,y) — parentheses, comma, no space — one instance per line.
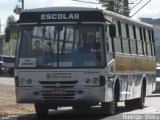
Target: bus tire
(109,107)
(137,103)
(130,104)
(141,101)
(81,108)
(41,110)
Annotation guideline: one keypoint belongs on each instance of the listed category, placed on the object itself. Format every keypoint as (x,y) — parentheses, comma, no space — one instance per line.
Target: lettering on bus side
(60,16)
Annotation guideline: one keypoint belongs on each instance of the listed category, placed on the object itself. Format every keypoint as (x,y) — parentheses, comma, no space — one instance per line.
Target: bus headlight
(29,81)
(24,82)
(87,80)
(21,81)
(95,80)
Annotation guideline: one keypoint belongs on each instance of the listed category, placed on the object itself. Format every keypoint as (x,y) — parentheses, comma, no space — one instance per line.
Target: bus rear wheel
(41,110)
(141,101)
(137,103)
(130,104)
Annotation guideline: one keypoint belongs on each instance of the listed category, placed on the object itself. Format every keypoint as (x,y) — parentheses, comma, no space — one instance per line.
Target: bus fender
(116,88)
(144,78)
(143,81)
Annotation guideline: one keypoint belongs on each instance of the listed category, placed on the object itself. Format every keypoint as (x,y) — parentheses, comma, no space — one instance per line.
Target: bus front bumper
(89,95)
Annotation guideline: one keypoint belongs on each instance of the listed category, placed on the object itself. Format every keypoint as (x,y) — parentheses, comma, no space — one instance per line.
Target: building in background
(156,24)
(7,48)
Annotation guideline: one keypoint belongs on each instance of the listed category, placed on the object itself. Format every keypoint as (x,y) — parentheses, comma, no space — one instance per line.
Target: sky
(151,10)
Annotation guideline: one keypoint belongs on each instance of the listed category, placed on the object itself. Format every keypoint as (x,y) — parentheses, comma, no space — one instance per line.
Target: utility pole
(18,10)
(22,4)
(0,25)
(126,8)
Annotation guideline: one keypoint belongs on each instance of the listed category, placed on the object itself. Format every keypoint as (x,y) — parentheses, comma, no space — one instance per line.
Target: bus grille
(58,84)
(49,96)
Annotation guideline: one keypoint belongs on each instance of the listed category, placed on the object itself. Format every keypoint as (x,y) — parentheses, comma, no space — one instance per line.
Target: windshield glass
(60,46)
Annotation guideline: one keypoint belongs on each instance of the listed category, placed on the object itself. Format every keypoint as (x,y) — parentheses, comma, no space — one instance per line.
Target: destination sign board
(56,16)
(62,16)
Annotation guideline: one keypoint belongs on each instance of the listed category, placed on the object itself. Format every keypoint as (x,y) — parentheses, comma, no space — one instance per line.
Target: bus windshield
(59,46)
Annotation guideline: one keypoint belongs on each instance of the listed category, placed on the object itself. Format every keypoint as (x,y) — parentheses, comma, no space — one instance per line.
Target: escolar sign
(60,16)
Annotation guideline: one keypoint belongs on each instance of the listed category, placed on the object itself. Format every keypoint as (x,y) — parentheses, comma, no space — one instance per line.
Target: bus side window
(117,39)
(135,38)
(139,41)
(153,42)
(148,42)
(108,39)
(132,39)
(145,42)
(124,38)
(128,36)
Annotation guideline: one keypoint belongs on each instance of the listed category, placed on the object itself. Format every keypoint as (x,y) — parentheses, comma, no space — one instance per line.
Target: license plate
(58,92)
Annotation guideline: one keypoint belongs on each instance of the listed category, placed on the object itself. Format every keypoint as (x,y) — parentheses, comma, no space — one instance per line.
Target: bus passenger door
(110,68)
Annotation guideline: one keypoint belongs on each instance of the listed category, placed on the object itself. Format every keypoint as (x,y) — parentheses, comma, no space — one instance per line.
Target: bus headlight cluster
(29,81)
(23,81)
(88,80)
(94,80)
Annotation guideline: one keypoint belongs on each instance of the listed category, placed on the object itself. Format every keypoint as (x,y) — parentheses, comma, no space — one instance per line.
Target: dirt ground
(8,105)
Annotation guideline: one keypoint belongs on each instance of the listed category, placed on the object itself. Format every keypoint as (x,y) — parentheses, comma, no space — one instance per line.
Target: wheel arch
(144,83)
(116,88)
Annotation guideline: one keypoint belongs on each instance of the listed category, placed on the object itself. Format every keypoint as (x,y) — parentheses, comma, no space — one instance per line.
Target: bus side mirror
(112,30)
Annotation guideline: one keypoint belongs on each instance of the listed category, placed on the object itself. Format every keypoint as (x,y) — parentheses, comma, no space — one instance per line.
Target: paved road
(150,112)
(6,80)
(7,91)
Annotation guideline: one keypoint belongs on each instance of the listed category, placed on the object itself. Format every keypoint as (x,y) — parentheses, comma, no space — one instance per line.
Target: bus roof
(58,9)
(68,14)
(62,14)
(126,19)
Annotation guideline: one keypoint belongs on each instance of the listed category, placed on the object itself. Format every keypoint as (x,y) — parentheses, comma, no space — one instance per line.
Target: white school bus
(52,69)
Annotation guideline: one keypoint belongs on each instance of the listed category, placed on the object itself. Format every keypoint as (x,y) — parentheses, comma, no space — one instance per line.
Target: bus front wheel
(109,107)
(81,107)
(41,110)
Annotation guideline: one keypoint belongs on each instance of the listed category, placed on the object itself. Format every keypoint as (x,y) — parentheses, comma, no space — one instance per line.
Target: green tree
(11,28)
(114,6)
(1,37)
